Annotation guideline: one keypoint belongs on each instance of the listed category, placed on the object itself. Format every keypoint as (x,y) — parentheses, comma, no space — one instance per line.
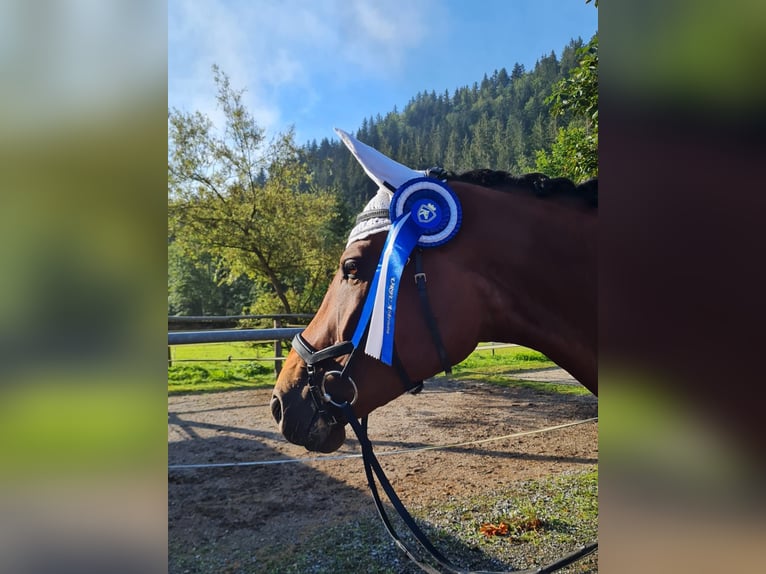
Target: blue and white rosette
(425,212)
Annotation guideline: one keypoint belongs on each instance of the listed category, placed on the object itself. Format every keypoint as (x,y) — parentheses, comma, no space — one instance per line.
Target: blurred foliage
(83,111)
(699,56)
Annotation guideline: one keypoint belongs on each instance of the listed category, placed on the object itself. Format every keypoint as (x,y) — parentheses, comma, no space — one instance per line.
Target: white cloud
(379,35)
(201,34)
(276,49)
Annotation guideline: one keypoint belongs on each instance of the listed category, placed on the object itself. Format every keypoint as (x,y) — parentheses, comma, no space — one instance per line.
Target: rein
(373,469)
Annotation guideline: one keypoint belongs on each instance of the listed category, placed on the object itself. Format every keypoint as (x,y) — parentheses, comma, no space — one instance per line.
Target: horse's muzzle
(301,423)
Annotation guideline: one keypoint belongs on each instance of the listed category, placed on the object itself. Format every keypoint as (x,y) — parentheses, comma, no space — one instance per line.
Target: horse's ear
(384,171)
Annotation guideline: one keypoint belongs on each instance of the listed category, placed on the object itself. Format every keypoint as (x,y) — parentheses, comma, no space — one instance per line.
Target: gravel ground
(315,514)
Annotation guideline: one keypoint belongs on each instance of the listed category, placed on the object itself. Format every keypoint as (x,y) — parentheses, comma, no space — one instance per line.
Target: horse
(521,268)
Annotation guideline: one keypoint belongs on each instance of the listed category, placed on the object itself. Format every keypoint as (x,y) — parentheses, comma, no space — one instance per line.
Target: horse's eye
(350,269)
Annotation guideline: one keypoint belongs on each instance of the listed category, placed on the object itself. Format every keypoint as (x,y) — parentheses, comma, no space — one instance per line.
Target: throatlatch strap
(420,281)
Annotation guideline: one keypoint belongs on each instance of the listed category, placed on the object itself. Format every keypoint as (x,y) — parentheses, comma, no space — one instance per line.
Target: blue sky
(318,64)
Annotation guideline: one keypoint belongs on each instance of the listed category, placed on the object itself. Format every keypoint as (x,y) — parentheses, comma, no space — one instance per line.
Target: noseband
(314,357)
(316,380)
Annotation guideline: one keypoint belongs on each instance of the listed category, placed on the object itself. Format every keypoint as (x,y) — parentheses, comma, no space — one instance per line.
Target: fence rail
(231,335)
(277,334)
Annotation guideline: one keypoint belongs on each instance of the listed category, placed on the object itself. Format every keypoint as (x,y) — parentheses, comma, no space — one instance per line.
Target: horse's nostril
(276,409)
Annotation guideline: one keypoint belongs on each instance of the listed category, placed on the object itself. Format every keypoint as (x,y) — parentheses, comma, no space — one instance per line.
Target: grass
(217,367)
(506,366)
(208,351)
(505,359)
(511,380)
(546,519)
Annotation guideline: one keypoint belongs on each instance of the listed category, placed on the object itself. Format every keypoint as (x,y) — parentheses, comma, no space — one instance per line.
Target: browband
(374,214)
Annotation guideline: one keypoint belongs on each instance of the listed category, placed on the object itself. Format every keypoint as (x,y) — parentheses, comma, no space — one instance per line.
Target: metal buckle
(419,276)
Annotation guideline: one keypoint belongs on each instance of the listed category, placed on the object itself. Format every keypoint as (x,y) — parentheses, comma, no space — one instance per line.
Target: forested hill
(499,122)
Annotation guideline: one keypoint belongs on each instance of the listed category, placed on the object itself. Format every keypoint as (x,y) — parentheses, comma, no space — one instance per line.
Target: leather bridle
(318,376)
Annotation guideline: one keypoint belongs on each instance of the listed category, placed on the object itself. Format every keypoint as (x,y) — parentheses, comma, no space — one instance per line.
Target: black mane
(539,184)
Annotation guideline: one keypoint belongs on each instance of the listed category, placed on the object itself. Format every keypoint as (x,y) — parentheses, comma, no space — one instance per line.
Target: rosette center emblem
(427,212)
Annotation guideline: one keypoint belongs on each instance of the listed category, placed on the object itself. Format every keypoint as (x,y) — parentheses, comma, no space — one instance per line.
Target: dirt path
(258,505)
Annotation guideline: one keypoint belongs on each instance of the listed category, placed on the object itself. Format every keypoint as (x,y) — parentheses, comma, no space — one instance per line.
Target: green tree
(201,286)
(480,151)
(249,204)
(574,154)
(500,122)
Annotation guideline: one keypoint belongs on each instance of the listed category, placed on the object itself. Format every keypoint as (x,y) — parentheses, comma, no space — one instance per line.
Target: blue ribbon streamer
(380,306)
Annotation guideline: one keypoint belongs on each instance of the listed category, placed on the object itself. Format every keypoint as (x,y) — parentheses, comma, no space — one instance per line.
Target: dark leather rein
(372,466)
(327,407)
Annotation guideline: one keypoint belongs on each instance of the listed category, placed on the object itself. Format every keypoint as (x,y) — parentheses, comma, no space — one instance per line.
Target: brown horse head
(522,269)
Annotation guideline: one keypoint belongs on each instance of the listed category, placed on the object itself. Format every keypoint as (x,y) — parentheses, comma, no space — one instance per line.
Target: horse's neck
(539,278)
